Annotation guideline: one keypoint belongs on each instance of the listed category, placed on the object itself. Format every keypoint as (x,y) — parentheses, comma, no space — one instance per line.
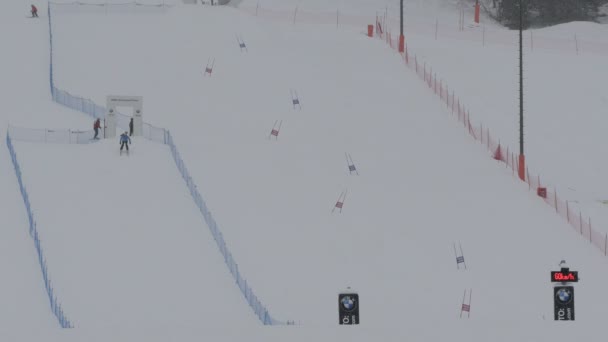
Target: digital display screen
(564,276)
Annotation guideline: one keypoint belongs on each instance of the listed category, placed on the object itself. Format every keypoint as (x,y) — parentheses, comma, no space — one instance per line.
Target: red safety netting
(582,225)
(473,33)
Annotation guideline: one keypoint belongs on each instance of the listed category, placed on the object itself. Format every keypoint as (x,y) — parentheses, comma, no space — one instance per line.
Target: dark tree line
(538,13)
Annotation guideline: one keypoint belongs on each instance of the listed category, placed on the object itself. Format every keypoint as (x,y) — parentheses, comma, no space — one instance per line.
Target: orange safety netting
(508,156)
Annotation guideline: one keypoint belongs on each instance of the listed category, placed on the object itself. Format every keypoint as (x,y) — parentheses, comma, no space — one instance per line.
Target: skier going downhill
(125,141)
(34,11)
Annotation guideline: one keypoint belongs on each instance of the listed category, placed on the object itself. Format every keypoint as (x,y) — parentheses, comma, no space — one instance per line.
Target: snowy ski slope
(566,100)
(25,101)
(356,97)
(422,186)
(125,243)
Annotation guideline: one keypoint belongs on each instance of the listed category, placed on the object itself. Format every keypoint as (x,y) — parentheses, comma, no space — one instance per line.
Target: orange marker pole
(522,167)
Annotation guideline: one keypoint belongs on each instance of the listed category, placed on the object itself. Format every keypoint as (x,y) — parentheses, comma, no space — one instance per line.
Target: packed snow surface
(149,261)
(120,230)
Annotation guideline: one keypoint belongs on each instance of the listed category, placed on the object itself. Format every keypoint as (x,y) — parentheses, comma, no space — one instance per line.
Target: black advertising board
(348,308)
(563,298)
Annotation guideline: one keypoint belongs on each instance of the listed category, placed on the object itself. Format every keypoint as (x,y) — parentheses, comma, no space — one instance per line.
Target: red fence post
(435,83)
(513,163)
(424,69)
(464,115)
(477,12)
(488,136)
(452,101)
(590,234)
(401,43)
(370,30)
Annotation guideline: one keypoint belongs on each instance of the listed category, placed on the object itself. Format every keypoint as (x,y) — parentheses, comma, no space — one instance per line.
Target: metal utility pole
(401,31)
(522,162)
(401,37)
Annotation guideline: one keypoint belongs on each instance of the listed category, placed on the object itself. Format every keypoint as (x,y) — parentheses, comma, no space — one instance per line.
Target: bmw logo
(564,296)
(348,303)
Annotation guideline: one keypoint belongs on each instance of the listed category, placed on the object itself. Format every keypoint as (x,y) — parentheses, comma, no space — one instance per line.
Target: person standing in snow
(96,127)
(124,141)
(34,11)
(131,127)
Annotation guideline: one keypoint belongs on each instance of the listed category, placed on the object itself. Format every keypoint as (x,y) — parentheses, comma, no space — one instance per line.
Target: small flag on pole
(466,307)
(276,129)
(378,26)
(340,203)
(295,100)
(241,43)
(209,67)
(351,165)
(459,258)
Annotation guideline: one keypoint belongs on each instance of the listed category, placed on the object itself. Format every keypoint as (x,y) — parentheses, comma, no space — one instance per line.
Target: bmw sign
(563,297)
(348,308)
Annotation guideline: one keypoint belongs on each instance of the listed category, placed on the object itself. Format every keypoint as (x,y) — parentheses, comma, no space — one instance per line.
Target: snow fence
(89,107)
(463,29)
(508,156)
(54,302)
(46,135)
(164,136)
(258,308)
(112,7)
